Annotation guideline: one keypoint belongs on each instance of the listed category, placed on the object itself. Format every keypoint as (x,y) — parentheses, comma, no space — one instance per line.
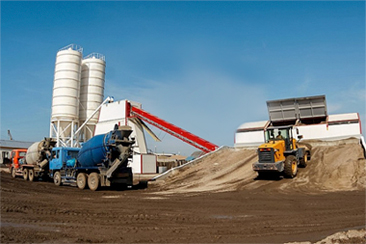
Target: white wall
(329,132)
(249,138)
(115,113)
(143,164)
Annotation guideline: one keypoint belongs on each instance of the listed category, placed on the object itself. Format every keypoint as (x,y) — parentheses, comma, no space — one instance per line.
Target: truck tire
(13,171)
(57,178)
(31,175)
(93,181)
(25,174)
(81,181)
(290,169)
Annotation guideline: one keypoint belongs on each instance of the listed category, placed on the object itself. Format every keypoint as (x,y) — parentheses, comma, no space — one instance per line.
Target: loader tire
(93,181)
(290,170)
(12,171)
(31,175)
(81,181)
(25,174)
(57,178)
(304,160)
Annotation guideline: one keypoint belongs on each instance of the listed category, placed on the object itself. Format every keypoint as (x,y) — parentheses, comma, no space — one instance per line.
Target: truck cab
(63,164)
(63,157)
(16,157)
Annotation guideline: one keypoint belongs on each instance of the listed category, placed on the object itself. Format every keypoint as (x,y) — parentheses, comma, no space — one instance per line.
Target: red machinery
(173,130)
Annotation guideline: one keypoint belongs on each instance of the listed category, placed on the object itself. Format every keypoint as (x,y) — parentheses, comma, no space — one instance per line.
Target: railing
(74,47)
(96,55)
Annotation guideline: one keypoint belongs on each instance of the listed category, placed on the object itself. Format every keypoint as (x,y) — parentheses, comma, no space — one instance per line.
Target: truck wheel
(81,181)
(57,178)
(93,181)
(304,160)
(290,169)
(31,175)
(12,171)
(25,174)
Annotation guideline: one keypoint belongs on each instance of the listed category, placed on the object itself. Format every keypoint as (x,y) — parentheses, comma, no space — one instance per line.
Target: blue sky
(204,66)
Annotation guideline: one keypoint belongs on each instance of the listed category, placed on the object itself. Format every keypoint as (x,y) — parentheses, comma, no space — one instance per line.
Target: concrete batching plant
(78,90)
(78,107)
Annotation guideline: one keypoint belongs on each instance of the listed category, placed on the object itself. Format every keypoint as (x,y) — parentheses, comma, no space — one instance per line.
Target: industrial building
(309,118)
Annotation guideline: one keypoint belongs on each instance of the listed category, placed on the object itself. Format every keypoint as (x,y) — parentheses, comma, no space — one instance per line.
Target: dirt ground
(216,199)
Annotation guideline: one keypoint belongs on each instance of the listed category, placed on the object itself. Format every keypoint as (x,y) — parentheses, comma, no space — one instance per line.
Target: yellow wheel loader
(281,153)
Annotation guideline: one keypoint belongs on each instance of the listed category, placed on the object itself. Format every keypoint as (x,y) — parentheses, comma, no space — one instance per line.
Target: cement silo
(66,92)
(91,92)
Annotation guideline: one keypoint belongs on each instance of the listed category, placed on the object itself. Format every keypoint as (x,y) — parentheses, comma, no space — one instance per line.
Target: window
(277,134)
(55,154)
(73,154)
(5,155)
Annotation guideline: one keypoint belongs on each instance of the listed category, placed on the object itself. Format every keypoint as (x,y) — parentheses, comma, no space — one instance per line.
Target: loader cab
(280,133)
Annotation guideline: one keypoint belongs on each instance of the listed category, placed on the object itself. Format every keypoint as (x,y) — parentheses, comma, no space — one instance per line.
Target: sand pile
(335,166)
(220,171)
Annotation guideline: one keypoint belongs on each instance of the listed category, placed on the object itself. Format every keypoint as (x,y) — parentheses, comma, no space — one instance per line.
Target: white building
(118,113)
(335,127)
(309,118)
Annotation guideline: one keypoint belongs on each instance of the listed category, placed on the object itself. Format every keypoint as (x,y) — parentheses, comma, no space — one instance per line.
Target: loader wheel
(12,171)
(31,175)
(57,178)
(304,160)
(81,181)
(290,169)
(25,174)
(93,181)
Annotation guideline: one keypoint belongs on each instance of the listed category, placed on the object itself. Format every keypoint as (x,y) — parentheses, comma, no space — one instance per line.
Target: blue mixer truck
(101,161)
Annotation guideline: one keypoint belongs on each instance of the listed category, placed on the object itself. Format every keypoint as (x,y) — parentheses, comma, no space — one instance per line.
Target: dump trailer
(281,153)
(35,163)
(101,161)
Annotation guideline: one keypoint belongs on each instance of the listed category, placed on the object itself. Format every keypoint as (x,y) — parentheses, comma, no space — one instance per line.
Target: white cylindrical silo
(66,92)
(91,91)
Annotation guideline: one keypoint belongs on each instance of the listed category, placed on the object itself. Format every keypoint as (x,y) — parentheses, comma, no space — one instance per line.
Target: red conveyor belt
(173,130)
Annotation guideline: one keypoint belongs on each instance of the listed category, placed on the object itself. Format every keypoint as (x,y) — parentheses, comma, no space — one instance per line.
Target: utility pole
(11,138)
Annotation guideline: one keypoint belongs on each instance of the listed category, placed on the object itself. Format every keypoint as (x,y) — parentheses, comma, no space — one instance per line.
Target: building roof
(11,144)
(253,125)
(348,117)
(343,117)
